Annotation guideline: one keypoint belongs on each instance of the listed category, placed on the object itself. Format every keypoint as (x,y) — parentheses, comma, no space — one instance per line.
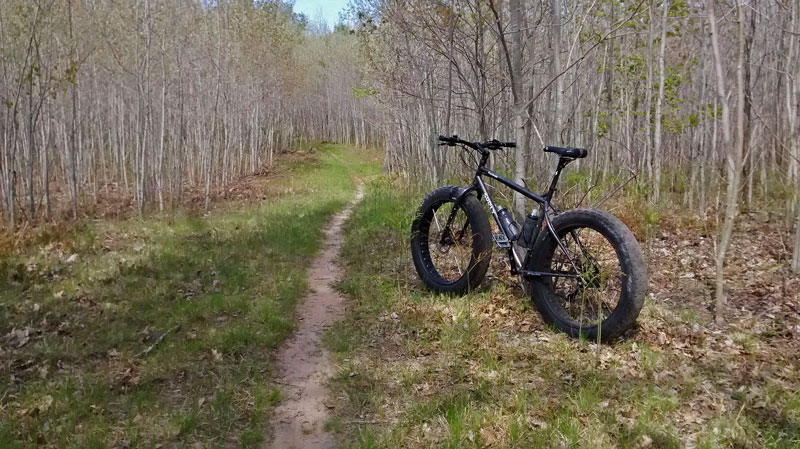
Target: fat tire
(631,260)
(481,242)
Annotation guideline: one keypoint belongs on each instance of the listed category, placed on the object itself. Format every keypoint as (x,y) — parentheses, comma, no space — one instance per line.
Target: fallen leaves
(38,407)
(130,376)
(19,337)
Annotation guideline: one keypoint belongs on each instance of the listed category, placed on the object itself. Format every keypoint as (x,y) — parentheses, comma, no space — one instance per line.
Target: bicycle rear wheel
(602,279)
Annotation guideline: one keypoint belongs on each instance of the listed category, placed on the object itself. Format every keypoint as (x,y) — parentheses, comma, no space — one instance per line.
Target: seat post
(563,161)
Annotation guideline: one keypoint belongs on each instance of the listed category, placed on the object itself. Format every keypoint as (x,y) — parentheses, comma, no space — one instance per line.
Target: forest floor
(424,370)
(161,331)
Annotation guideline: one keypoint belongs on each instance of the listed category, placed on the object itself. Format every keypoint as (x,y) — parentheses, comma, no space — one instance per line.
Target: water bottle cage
(527,236)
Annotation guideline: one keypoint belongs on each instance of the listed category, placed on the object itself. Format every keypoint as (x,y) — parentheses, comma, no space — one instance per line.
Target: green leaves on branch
(364,92)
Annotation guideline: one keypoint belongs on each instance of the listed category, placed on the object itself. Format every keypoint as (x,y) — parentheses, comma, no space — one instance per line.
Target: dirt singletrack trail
(303,366)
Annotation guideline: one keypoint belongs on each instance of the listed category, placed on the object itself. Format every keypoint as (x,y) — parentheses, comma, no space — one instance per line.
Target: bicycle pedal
(502,241)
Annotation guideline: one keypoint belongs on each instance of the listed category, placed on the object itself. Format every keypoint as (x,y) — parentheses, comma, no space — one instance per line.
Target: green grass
(77,314)
(425,370)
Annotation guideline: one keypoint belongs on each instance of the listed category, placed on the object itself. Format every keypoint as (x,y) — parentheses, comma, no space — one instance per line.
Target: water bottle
(508,223)
(529,231)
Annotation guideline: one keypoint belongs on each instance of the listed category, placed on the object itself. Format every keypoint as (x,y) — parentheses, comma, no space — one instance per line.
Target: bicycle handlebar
(500,144)
(493,144)
(450,140)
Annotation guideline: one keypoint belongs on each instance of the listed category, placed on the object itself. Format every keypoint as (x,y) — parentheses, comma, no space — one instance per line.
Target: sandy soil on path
(302,364)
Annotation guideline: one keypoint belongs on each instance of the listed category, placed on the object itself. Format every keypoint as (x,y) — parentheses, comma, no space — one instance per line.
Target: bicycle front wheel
(454,259)
(599,276)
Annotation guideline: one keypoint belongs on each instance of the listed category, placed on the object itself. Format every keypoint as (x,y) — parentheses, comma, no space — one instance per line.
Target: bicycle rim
(593,296)
(449,255)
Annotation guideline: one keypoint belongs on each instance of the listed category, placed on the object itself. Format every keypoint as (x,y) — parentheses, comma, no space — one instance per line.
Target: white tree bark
(662,75)
(733,153)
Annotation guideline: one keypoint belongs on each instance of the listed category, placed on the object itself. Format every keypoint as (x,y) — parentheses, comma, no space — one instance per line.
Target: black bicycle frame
(478,185)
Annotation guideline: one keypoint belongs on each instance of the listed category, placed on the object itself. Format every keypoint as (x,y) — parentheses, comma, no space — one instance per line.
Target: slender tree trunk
(733,159)
(649,95)
(555,21)
(46,142)
(747,152)
(160,167)
(520,113)
(793,110)
(32,149)
(216,134)
(74,131)
(662,75)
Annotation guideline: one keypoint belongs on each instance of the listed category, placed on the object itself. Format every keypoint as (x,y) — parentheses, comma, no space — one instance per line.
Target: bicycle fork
(503,241)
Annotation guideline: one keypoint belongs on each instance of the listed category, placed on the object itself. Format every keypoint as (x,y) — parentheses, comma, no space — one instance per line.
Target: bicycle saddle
(575,153)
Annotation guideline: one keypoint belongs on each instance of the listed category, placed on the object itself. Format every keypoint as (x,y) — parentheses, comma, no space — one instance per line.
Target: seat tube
(562,162)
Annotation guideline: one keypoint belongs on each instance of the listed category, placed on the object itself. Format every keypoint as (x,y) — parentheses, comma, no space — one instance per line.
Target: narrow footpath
(303,365)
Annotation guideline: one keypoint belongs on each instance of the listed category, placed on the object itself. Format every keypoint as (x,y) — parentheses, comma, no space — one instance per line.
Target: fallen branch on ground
(158,341)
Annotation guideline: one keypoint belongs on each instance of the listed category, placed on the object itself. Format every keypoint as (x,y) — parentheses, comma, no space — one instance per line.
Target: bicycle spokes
(593,296)
(450,247)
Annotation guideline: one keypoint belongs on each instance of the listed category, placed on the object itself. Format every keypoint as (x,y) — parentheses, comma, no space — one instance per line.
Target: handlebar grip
(510,144)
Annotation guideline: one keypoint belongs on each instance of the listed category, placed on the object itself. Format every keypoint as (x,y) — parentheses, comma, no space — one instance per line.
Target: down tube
(489,201)
(493,208)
